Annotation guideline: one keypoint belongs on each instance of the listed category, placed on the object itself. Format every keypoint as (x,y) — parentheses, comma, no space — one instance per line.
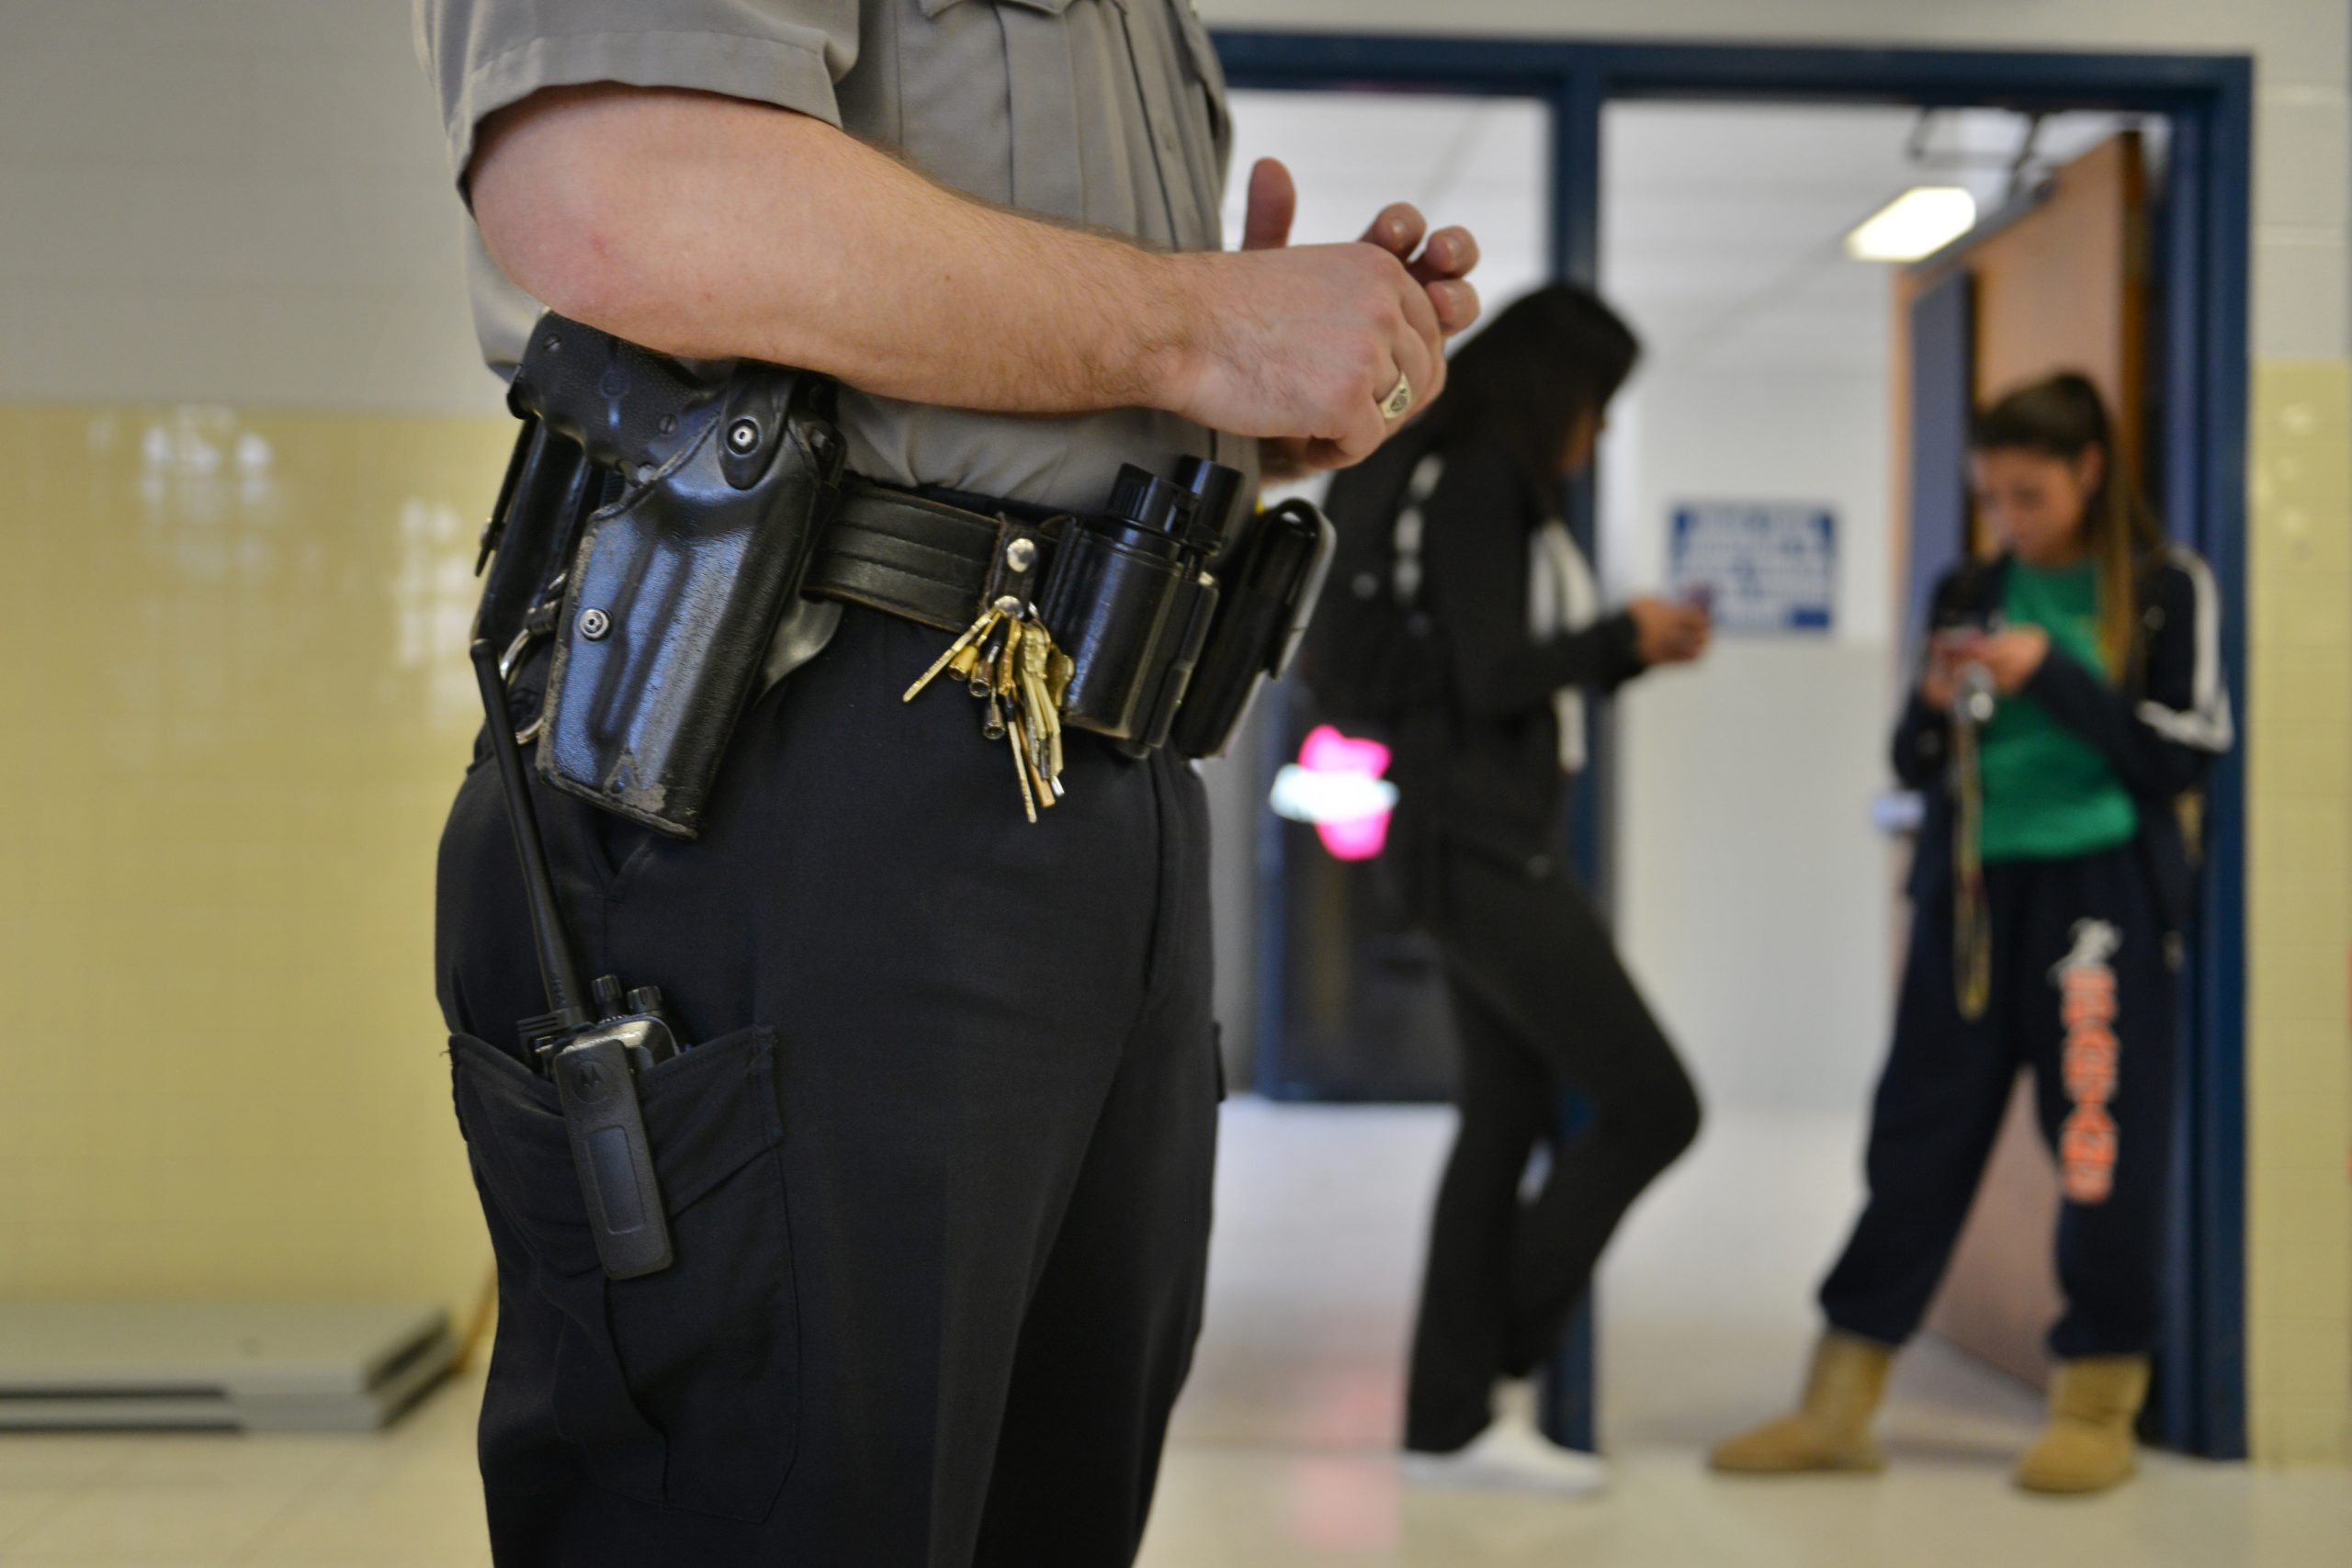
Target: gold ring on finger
(1399,401)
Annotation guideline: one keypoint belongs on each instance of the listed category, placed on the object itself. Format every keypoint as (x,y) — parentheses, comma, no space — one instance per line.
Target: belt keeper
(1016,566)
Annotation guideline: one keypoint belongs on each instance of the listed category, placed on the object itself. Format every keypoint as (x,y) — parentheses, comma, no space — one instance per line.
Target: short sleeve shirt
(1106,113)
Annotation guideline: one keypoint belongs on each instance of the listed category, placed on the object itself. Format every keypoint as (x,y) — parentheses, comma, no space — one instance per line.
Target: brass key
(1037,704)
(972,634)
(1007,660)
(1017,743)
(1034,751)
(1004,676)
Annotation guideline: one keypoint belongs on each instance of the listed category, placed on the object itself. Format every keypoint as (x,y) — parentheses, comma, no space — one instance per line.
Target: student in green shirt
(2067,710)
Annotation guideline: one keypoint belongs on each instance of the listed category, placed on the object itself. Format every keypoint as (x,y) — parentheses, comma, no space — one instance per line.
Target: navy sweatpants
(2084,995)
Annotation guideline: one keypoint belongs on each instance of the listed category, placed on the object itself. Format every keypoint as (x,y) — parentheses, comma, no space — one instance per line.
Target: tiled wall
(245,444)
(237,705)
(2299,914)
(236,201)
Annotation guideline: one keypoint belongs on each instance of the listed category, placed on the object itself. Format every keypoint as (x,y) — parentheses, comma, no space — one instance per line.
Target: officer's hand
(1668,633)
(1317,336)
(1440,268)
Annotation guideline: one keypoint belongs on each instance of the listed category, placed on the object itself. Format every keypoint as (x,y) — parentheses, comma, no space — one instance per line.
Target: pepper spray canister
(1121,602)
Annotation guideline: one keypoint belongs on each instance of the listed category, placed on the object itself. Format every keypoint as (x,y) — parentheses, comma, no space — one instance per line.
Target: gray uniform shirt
(1109,113)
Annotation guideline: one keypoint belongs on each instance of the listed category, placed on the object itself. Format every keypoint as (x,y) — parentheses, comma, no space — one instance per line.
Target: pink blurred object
(1336,787)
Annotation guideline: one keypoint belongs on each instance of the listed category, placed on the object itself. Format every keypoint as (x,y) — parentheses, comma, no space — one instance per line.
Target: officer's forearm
(708,226)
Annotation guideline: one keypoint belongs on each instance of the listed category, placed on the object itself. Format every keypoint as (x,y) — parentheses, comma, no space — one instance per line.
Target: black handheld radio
(592,1044)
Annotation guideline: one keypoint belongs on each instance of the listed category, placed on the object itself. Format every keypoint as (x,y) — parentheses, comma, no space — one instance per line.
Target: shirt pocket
(1084,111)
(988,100)
(1208,77)
(1181,92)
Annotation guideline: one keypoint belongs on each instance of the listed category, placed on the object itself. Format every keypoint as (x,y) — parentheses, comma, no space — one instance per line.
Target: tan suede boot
(1831,1428)
(2089,1445)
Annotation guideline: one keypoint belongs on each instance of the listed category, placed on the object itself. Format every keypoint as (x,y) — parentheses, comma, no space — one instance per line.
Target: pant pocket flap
(708,1112)
(513,1124)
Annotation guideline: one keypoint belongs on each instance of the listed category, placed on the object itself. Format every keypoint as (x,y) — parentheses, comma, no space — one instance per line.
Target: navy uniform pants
(2084,995)
(937,1170)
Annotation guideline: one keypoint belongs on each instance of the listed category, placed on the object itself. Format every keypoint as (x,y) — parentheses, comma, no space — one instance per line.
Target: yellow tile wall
(237,700)
(2298,916)
(235,684)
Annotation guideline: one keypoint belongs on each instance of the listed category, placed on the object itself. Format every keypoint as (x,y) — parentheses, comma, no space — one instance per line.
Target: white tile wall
(224,202)
(191,166)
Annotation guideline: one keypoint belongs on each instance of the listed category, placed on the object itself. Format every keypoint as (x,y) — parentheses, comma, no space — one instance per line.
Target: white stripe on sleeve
(2207,724)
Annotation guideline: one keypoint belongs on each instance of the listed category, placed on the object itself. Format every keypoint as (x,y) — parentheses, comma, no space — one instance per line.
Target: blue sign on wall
(1764,567)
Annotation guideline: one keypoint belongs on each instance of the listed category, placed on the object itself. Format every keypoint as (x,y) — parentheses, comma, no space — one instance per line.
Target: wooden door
(2058,283)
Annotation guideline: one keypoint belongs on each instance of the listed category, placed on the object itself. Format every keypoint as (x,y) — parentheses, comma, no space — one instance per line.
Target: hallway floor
(1283,1448)
(1282,1444)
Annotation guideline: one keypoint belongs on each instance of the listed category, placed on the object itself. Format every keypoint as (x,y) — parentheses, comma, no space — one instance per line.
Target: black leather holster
(695,503)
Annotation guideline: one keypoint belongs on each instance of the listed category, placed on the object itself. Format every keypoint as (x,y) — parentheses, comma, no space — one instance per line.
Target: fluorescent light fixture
(1917,223)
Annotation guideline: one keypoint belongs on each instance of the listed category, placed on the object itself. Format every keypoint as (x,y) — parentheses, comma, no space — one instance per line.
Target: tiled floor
(1281,1449)
(1282,1455)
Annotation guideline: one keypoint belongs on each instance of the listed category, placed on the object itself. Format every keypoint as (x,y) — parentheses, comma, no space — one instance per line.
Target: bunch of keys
(1007,660)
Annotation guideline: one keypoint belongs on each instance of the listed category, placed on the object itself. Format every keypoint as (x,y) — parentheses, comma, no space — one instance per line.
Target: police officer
(966,1221)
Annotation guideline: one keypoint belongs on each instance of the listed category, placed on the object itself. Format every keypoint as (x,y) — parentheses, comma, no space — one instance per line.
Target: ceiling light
(1917,223)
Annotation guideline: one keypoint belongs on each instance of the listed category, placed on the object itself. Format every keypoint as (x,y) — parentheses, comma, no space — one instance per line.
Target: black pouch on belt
(1269,578)
(550,489)
(678,585)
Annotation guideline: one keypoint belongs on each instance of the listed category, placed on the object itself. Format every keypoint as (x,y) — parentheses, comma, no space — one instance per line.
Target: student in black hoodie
(1506,640)
(2068,709)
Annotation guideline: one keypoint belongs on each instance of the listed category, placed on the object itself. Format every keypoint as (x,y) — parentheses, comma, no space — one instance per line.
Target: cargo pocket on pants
(678,1389)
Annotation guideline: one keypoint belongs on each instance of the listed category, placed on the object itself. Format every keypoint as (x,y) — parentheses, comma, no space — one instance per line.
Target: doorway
(2205,104)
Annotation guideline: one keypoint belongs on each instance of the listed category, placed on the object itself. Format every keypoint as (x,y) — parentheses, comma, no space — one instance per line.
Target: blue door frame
(2208,100)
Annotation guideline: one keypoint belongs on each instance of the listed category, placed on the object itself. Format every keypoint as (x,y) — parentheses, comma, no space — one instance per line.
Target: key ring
(538,623)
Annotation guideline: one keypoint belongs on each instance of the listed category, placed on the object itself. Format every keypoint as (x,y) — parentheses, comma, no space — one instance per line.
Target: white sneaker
(1511,1456)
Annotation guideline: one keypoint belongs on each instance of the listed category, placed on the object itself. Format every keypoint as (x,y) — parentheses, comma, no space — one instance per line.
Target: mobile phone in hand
(1953,647)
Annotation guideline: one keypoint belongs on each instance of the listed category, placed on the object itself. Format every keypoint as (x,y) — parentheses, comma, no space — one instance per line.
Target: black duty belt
(657,523)
(913,556)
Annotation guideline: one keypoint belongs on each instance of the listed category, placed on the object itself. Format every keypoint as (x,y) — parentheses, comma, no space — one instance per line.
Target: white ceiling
(1723,225)
(1722,230)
